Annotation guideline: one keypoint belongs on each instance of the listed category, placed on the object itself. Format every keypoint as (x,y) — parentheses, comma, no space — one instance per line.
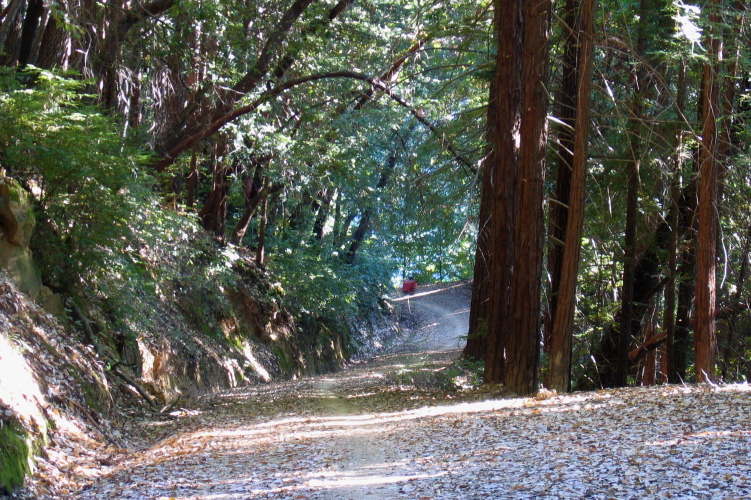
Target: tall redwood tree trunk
(522,354)
(705,341)
(501,177)
(514,181)
(564,158)
(559,372)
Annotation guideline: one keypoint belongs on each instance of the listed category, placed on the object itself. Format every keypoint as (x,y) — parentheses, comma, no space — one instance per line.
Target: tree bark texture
(559,204)
(705,341)
(520,374)
(559,372)
(478,312)
(517,133)
(501,176)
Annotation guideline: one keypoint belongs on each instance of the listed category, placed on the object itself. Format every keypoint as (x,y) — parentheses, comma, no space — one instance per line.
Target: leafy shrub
(322,284)
(84,177)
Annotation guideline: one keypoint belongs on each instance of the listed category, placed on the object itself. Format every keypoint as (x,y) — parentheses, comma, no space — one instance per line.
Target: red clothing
(409,286)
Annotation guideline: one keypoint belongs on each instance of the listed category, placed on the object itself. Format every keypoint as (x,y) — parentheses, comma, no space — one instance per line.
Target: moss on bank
(15,455)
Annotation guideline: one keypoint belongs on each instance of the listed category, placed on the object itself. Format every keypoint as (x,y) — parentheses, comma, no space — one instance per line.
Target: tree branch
(649,345)
(212,128)
(139,12)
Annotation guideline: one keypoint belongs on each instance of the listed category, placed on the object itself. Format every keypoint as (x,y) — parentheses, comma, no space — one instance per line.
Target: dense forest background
(597,151)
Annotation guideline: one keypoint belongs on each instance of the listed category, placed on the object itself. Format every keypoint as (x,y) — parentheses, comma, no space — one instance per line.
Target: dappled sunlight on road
(524,445)
(389,429)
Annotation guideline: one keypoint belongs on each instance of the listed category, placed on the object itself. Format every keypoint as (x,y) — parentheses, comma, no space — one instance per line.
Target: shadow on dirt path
(335,436)
(435,323)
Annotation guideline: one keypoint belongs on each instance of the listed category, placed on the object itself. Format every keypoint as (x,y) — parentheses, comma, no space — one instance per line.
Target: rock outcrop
(17,223)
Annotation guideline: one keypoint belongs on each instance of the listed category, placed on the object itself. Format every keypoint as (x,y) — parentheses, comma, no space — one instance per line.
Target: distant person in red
(409,286)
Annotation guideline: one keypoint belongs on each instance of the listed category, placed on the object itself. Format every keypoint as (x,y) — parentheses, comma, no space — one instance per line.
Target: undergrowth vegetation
(106,235)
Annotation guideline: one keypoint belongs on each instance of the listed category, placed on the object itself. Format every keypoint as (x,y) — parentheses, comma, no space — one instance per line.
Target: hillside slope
(155,326)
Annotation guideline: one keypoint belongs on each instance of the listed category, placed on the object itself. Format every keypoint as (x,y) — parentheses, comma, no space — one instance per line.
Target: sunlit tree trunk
(705,342)
(261,251)
(517,133)
(522,351)
(563,320)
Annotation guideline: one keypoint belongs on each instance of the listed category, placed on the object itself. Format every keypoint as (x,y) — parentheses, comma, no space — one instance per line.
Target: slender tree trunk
(673,218)
(213,214)
(705,341)
(358,237)
(31,20)
(367,215)
(626,327)
(193,181)
(559,372)
(322,216)
(559,204)
(344,230)
(478,313)
(686,288)
(261,252)
(242,224)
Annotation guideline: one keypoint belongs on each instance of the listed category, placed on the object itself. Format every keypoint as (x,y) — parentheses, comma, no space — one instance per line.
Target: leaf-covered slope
(52,393)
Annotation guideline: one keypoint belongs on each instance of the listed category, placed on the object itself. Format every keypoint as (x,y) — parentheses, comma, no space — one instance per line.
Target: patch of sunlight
(338,480)
(19,390)
(323,427)
(686,18)
(742,387)
(259,369)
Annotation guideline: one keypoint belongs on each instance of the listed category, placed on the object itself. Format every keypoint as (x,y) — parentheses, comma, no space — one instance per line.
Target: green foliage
(83,176)
(325,285)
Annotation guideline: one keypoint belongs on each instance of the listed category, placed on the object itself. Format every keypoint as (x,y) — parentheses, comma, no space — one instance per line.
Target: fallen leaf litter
(359,434)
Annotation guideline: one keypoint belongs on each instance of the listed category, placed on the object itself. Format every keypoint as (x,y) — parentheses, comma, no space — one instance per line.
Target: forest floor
(396,427)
